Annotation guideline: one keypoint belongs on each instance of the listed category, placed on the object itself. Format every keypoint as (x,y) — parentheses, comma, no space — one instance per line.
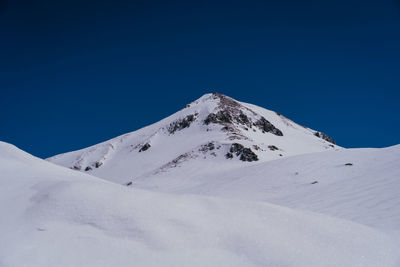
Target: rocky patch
(145,147)
(225,117)
(325,137)
(97,164)
(222,116)
(244,120)
(244,153)
(267,127)
(232,113)
(207,147)
(176,162)
(181,123)
(273,148)
(225,101)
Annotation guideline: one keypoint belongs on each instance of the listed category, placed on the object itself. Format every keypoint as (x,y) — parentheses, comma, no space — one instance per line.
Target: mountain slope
(214,128)
(361,185)
(53,216)
(198,150)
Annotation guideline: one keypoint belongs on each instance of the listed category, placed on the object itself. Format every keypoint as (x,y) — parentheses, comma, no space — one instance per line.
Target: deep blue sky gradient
(75,73)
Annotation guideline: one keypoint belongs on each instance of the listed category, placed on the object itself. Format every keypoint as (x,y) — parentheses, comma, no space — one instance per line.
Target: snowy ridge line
(212,118)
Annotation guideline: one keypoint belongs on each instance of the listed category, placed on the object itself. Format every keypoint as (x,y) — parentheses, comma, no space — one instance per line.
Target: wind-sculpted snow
(54,216)
(361,185)
(212,118)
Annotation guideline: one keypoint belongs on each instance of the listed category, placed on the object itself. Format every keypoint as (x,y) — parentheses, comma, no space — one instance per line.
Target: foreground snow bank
(53,216)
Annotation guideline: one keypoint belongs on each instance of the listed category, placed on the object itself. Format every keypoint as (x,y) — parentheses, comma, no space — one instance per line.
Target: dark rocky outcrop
(181,123)
(325,137)
(232,112)
(145,147)
(179,159)
(273,148)
(97,164)
(222,116)
(88,168)
(207,147)
(229,112)
(228,129)
(244,120)
(244,153)
(225,101)
(267,127)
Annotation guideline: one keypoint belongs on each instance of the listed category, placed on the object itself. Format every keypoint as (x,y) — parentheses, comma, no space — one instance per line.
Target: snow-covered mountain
(219,183)
(220,147)
(216,130)
(55,216)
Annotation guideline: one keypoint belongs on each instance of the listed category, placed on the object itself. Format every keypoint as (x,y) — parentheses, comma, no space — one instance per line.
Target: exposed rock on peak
(325,137)
(212,130)
(267,127)
(181,123)
(225,102)
(232,112)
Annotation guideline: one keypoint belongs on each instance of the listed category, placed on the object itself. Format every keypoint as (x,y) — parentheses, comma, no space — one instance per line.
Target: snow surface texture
(54,216)
(204,130)
(219,183)
(361,185)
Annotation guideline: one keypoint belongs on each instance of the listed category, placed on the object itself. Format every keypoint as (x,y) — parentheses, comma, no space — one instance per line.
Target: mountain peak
(213,97)
(214,129)
(232,115)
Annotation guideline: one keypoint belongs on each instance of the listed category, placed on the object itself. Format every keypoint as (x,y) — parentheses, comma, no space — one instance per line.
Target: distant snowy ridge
(215,127)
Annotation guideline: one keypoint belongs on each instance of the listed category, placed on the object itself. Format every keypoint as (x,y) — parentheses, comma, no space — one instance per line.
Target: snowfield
(361,185)
(54,216)
(219,183)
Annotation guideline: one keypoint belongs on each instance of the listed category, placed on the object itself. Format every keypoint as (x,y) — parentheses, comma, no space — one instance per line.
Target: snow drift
(54,216)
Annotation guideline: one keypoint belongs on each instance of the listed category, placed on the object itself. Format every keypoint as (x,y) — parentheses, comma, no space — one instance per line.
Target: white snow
(366,191)
(121,160)
(307,203)
(54,216)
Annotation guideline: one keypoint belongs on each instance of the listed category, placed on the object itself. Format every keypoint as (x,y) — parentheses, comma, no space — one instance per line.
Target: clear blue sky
(75,73)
